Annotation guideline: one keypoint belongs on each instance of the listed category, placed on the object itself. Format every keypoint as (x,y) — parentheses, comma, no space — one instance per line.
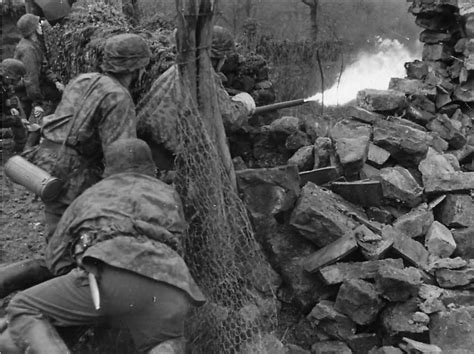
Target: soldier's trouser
(152,311)
(52,214)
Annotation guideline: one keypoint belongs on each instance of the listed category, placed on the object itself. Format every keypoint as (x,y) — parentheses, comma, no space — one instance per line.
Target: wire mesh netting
(220,248)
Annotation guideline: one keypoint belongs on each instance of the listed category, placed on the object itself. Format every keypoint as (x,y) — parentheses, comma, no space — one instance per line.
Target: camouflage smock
(95,111)
(32,55)
(132,221)
(168,100)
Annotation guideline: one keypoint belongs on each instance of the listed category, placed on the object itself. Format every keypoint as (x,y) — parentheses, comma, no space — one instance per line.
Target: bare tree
(313,17)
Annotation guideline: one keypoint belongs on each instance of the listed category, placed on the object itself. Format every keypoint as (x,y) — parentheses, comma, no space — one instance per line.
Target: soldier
(96,109)
(158,110)
(12,72)
(116,252)
(41,84)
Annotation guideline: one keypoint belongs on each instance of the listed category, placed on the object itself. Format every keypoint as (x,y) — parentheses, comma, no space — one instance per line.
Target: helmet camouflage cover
(222,42)
(12,69)
(125,53)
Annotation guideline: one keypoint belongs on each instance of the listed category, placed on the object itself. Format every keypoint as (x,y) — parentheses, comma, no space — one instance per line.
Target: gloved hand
(38,111)
(14,112)
(59,86)
(247,100)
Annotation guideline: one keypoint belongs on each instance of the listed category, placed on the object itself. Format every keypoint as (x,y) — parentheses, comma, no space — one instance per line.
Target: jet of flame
(370,70)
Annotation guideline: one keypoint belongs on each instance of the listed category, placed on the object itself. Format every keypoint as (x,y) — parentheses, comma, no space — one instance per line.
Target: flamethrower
(281,105)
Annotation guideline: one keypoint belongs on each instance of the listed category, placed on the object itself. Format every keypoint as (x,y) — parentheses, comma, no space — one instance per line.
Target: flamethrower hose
(280,105)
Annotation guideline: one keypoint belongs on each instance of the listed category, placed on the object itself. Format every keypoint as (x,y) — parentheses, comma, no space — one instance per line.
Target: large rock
(361,343)
(404,143)
(449,182)
(438,51)
(453,331)
(412,87)
(410,249)
(303,158)
(377,156)
(397,284)
(285,251)
(398,185)
(449,278)
(330,253)
(399,319)
(269,191)
(364,115)
(351,141)
(449,130)
(464,239)
(332,322)
(435,163)
(457,210)
(439,240)
(381,100)
(340,272)
(330,347)
(359,300)
(416,222)
(322,216)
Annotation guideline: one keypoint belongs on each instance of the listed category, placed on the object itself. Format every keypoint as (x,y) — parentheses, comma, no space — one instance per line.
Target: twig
(322,80)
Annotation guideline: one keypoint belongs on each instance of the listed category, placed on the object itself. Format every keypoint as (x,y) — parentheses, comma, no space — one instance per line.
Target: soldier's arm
(118,118)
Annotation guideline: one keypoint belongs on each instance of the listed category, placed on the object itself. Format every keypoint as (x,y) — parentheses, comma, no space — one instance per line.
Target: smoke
(370,70)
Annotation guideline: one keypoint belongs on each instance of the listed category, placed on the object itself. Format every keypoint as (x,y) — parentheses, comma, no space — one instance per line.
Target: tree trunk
(313,17)
(194,40)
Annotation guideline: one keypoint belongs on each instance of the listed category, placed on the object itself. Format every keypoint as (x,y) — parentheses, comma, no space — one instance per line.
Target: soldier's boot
(32,139)
(42,338)
(22,275)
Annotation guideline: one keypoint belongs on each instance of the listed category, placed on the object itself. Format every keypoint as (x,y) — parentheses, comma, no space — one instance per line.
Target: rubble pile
(371,227)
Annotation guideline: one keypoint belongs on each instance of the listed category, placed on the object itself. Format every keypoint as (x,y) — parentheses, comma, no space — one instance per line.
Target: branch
(310,3)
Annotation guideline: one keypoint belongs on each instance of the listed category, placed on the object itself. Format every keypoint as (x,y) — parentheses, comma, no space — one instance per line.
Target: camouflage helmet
(222,42)
(27,24)
(125,53)
(12,69)
(128,155)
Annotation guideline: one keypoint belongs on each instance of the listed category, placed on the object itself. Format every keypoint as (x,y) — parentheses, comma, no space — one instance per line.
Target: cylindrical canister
(33,178)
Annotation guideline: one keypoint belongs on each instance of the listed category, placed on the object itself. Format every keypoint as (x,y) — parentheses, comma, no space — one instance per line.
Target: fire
(370,70)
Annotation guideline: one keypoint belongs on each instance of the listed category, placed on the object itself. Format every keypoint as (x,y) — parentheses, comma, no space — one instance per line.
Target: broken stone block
(265,344)
(412,87)
(359,300)
(410,249)
(330,347)
(457,210)
(361,343)
(340,272)
(448,278)
(464,239)
(285,125)
(363,192)
(419,347)
(380,214)
(449,182)
(449,130)
(416,222)
(464,92)
(323,152)
(398,185)
(330,253)
(447,263)
(377,156)
(285,250)
(332,322)
(434,52)
(380,100)
(437,143)
(453,331)
(297,140)
(386,350)
(369,172)
(397,319)
(351,141)
(319,176)
(323,216)
(372,246)
(269,191)
(433,37)
(439,240)
(404,143)
(397,284)
(430,299)
(303,158)
(435,163)
(364,115)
